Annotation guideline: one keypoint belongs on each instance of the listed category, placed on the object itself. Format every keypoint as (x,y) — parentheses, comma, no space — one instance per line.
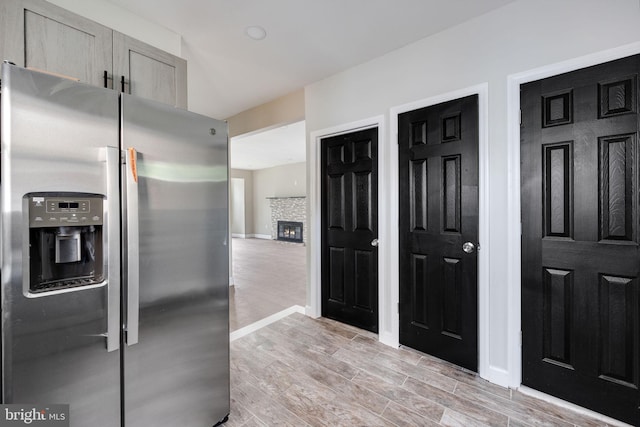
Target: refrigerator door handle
(133,245)
(113,248)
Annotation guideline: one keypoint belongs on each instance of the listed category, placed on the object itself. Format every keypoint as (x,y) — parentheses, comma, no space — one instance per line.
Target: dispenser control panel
(49,211)
(66,250)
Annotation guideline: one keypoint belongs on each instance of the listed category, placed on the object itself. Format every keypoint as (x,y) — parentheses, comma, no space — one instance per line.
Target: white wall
(279,181)
(520,36)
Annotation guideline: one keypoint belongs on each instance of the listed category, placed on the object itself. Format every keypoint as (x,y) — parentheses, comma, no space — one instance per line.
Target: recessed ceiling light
(255,32)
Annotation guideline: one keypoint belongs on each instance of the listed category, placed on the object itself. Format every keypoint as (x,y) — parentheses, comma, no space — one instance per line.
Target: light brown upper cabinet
(37,34)
(149,72)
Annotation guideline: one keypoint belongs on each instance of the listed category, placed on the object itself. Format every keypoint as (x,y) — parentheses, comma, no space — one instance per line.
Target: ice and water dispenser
(65,241)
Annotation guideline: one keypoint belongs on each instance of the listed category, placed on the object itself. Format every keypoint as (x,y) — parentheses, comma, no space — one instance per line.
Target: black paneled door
(350,228)
(438,155)
(580,253)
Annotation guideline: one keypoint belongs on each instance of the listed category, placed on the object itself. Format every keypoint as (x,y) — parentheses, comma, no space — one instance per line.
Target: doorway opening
(267,187)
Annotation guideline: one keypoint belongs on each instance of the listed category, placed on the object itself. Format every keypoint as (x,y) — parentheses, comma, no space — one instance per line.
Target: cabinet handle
(106,78)
(123,85)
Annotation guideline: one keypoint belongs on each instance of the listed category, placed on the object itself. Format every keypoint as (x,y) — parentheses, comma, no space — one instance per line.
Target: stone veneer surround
(288,209)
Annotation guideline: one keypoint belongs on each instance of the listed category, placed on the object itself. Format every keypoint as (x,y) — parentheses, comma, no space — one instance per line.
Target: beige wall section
(284,110)
(279,181)
(247,221)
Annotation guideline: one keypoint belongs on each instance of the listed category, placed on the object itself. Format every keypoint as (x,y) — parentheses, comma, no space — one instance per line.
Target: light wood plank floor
(269,277)
(305,372)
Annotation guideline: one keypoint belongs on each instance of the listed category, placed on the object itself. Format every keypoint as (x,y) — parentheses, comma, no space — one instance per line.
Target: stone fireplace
(291,213)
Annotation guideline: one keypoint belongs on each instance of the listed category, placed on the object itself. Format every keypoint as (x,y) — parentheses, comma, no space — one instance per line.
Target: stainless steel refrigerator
(114,255)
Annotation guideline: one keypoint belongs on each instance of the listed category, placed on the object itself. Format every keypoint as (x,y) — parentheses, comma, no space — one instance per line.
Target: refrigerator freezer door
(177,373)
(54,134)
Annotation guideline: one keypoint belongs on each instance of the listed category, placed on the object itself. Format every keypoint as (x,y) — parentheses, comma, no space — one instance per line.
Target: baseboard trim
(261,236)
(265,322)
(568,405)
(251,236)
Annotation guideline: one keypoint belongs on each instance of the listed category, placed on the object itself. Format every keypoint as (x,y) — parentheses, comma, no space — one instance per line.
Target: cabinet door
(149,72)
(39,35)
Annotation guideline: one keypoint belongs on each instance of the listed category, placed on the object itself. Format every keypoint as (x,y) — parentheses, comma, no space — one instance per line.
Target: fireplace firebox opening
(290,231)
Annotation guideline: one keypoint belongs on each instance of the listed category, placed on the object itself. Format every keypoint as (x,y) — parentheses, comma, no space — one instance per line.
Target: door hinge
(398,308)
(520,117)
(520,338)
(123,157)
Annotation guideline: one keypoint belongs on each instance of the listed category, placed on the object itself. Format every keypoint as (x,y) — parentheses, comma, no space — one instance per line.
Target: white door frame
(314,215)
(482,90)
(514,226)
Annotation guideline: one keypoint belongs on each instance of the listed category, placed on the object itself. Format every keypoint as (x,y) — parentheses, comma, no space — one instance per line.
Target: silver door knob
(374,243)
(468,247)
